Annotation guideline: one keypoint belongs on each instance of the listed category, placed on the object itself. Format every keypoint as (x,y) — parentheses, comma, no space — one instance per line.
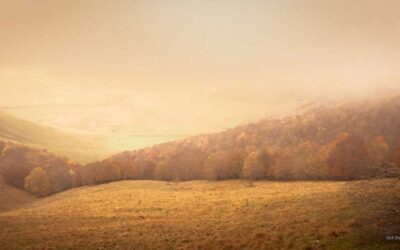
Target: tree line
(345,142)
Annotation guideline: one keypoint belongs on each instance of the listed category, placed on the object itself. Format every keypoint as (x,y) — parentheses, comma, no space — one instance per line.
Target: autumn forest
(212,124)
(351,141)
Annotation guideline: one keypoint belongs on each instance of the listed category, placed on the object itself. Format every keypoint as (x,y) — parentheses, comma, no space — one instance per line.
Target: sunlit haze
(144,72)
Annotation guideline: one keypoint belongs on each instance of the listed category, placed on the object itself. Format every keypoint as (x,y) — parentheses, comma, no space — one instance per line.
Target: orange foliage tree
(395,154)
(257,164)
(18,161)
(39,183)
(223,165)
(395,157)
(347,157)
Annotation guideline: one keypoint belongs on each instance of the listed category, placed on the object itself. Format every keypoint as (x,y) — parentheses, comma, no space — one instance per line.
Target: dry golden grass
(12,198)
(206,215)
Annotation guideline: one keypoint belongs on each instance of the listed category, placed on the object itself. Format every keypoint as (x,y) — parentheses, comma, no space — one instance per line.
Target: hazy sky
(190,66)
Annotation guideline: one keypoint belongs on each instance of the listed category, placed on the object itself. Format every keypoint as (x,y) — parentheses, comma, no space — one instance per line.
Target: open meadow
(208,215)
(209,125)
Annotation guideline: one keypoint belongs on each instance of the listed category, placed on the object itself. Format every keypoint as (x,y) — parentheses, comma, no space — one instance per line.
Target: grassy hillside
(12,198)
(348,141)
(208,215)
(79,148)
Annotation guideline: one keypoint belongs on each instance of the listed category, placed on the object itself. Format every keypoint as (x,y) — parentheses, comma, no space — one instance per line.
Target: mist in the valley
(144,72)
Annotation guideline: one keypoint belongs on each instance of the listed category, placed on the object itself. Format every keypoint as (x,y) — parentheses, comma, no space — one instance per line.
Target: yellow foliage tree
(38,182)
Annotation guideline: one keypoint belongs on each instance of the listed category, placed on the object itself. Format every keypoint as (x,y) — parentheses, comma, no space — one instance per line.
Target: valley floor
(209,215)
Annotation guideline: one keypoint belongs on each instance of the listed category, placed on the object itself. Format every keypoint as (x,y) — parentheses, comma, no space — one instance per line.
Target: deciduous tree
(347,157)
(39,182)
(257,164)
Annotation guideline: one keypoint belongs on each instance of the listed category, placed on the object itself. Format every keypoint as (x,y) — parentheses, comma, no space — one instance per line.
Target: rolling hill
(209,215)
(76,147)
(347,141)
(12,198)
(350,141)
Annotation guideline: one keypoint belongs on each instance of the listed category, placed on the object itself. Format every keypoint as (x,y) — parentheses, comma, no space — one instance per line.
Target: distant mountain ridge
(79,148)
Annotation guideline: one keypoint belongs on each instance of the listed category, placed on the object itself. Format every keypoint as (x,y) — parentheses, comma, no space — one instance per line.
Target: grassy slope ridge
(320,125)
(207,215)
(12,198)
(75,147)
(301,144)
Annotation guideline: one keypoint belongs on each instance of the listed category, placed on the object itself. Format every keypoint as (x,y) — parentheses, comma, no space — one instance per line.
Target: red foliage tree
(347,157)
